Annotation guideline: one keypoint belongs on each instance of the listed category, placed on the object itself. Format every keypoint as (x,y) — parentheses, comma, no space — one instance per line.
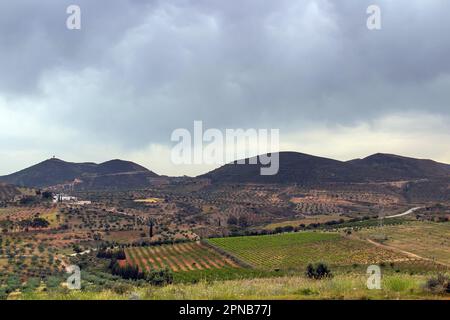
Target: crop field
(427,239)
(293,251)
(182,257)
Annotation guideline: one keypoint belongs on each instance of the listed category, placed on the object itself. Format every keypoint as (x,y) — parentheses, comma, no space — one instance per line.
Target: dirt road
(407,253)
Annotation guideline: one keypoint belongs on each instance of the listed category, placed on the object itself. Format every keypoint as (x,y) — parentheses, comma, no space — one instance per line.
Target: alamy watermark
(216,147)
(374,277)
(73,21)
(374,20)
(74,280)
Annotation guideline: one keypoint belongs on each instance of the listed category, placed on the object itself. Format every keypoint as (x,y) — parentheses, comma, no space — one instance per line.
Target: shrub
(118,254)
(12,283)
(32,284)
(318,271)
(306,292)
(120,288)
(438,284)
(77,249)
(160,277)
(278,230)
(53,282)
(3,294)
(35,223)
(126,272)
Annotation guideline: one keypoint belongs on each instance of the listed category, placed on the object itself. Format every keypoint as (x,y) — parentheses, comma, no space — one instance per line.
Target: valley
(130,230)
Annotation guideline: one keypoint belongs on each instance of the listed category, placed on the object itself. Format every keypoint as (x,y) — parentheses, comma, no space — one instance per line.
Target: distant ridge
(54,172)
(399,166)
(308,169)
(295,167)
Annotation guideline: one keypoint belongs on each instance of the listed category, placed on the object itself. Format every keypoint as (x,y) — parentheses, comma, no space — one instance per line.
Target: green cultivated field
(293,251)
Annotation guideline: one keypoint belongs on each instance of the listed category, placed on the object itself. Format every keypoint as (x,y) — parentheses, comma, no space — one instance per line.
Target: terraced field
(182,257)
(293,251)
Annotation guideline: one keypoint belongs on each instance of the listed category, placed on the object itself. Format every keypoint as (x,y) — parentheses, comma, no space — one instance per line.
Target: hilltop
(111,174)
(308,169)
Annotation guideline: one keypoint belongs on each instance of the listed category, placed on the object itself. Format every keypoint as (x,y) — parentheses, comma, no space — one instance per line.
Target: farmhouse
(63,198)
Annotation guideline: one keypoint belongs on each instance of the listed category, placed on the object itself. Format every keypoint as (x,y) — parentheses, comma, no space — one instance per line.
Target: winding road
(404,213)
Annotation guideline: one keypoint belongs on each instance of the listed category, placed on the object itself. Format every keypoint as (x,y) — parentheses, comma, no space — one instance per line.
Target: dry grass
(351,286)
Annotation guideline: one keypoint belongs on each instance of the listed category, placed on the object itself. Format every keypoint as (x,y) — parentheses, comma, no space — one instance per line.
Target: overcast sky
(137,70)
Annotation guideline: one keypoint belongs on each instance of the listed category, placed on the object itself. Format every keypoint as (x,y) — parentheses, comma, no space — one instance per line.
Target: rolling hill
(294,168)
(398,166)
(308,169)
(114,174)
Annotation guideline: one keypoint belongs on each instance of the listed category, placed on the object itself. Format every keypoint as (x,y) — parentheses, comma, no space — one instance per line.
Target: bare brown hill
(306,169)
(113,174)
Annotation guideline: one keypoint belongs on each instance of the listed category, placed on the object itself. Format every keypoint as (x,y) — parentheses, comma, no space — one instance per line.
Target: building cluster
(62,198)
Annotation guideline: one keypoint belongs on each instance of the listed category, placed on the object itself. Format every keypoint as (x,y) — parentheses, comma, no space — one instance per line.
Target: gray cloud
(139,69)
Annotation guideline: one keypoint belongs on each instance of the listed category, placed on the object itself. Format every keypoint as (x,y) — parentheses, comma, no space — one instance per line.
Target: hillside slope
(7,192)
(307,169)
(112,174)
(391,165)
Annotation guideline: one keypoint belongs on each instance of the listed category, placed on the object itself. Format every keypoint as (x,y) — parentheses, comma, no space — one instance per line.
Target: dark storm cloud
(33,37)
(139,69)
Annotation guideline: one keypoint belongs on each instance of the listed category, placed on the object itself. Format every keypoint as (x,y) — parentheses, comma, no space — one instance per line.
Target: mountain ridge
(55,171)
(308,169)
(295,167)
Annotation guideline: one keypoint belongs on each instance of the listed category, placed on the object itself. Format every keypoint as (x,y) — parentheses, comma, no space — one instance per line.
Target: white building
(63,198)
